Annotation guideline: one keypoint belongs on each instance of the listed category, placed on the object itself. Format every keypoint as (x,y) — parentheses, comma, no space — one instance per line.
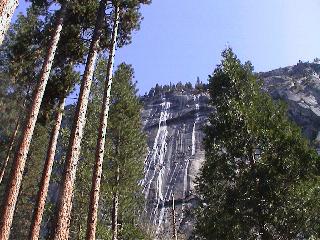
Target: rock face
(299,87)
(174,123)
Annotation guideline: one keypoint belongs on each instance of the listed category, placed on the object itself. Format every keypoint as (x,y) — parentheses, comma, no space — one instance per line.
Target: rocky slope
(174,122)
(299,87)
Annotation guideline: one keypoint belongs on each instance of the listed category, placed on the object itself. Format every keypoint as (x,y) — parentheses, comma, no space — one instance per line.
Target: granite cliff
(174,121)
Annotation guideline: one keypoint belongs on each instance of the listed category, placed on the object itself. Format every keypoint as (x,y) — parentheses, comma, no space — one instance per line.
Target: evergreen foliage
(260,179)
(21,59)
(27,197)
(125,146)
(160,90)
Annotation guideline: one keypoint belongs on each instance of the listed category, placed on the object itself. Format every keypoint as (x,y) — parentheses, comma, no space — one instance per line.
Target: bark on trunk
(115,207)
(18,166)
(12,140)
(65,204)
(46,174)
(7,8)
(100,148)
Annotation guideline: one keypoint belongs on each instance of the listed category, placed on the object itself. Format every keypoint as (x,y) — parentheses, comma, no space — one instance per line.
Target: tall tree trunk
(12,140)
(100,148)
(17,170)
(46,174)
(115,207)
(65,204)
(7,8)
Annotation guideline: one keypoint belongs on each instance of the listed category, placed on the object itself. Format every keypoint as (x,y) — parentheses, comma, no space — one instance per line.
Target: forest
(217,159)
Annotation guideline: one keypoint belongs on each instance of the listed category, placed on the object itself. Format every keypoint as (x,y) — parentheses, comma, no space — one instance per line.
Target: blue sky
(182,39)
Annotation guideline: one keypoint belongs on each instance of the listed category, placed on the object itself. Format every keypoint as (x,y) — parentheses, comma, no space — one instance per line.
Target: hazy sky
(182,39)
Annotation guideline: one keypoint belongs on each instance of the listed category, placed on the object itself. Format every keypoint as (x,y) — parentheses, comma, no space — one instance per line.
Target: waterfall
(155,169)
(156,157)
(193,152)
(193,148)
(172,151)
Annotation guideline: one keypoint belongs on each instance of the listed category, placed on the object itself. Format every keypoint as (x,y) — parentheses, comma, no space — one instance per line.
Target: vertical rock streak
(156,157)
(155,170)
(174,150)
(196,99)
(193,153)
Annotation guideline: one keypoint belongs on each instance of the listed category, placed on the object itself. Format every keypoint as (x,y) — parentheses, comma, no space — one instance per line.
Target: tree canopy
(260,176)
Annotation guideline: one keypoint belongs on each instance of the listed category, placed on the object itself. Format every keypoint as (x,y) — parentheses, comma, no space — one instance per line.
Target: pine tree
(126,147)
(130,202)
(46,174)
(124,167)
(65,204)
(27,194)
(17,77)
(100,149)
(20,159)
(19,62)
(129,20)
(83,179)
(19,67)
(199,86)
(70,51)
(258,170)
(24,56)
(11,143)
